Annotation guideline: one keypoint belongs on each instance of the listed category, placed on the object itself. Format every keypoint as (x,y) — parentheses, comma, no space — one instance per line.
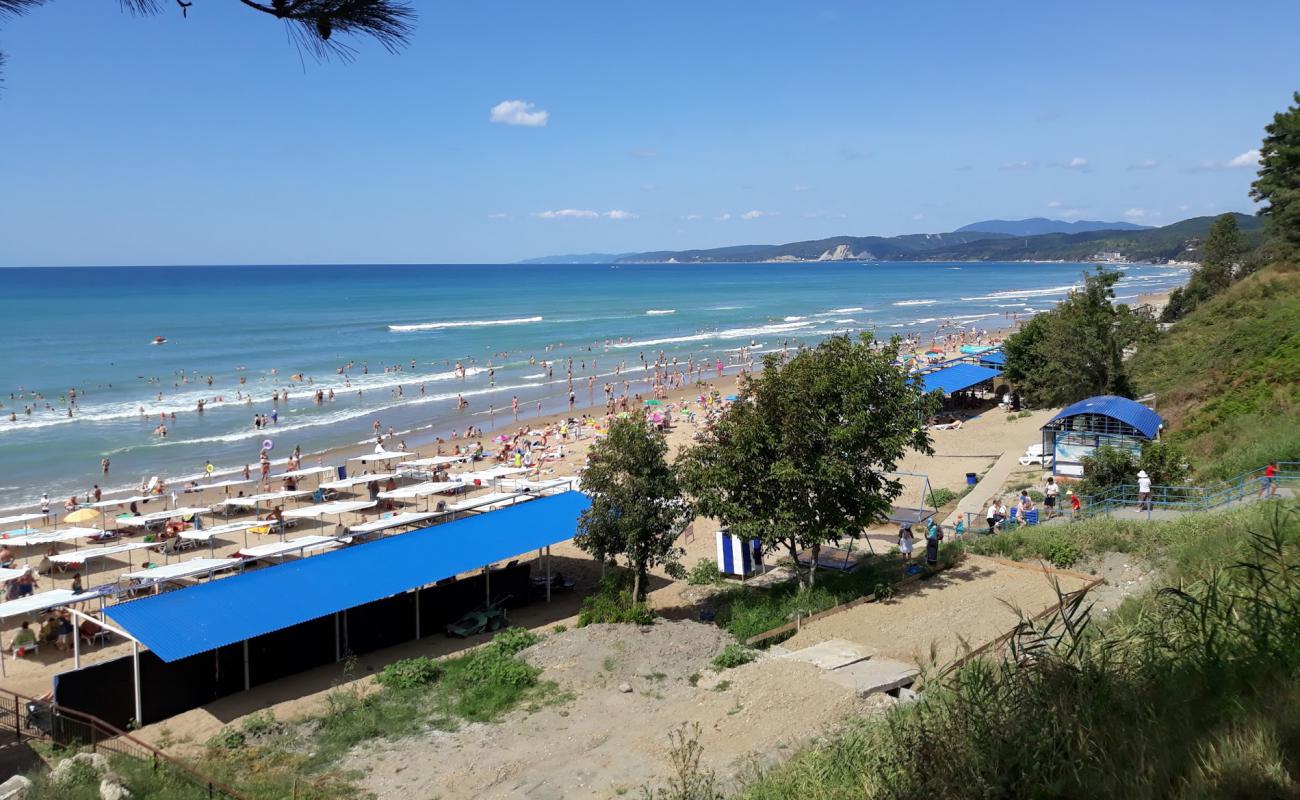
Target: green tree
(804,456)
(1077,349)
(1222,257)
(637,509)
(315,25)
(1278,184)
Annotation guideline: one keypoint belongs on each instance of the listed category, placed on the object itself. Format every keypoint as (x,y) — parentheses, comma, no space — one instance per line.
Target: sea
(386,339)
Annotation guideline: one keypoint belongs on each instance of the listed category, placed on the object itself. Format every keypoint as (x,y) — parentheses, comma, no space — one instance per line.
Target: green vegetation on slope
(1227,376)
(1190,693)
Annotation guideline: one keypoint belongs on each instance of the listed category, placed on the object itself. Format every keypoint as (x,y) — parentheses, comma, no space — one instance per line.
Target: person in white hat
(1144,491)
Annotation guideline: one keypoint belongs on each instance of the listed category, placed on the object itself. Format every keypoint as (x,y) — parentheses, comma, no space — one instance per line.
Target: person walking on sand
(1266,486)
(1144,491)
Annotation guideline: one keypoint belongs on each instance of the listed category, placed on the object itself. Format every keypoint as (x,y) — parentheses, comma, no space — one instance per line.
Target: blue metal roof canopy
(221,612)
(955,378)
(1131,413)
(996,358)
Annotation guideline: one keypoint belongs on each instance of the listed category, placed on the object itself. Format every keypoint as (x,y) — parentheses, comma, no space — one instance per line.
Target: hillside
(1037,226)
(1227,376)
(1174,242)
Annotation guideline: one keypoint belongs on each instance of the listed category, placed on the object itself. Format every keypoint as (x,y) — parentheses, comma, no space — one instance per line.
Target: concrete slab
(874,675)
(830,654)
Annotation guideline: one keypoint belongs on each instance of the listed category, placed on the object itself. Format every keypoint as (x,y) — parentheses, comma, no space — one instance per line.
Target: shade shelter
(220,637)
(956,378)
(1102,421)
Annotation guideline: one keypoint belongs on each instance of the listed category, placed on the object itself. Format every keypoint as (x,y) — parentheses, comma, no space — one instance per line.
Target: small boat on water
(159,340)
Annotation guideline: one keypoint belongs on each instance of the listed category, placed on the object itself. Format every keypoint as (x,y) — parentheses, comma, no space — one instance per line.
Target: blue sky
(163,140)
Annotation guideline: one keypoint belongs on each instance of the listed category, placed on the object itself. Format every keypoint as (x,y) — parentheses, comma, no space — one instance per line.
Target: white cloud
(918,217)
(1078,162)
(1247,160)
(1146,163)
(1135,213)
(803,188)
(568,213)
(498,216)
(619,213)
(1183,206)
(723,217)
(692,217)
(1072,213)
(1012,166)
(1054,204)
(517,112)
(1250,158)
(755,214)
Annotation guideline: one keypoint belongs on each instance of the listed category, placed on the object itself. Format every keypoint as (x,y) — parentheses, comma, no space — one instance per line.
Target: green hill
(1172,242)
(1227,376)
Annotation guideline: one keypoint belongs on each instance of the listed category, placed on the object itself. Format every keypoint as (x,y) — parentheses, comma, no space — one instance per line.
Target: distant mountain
(1177,242)
(582,258)
(1038,226)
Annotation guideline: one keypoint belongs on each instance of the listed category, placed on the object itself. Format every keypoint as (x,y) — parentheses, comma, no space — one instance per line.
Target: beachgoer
(45,507)
(1075,505)
(76,583)
(6,557)
(1024,505)
(905,540)
(933,538)
(1050,493)
(1270,474)
(23,639)
(996,514)
(1144,491)
(103,465)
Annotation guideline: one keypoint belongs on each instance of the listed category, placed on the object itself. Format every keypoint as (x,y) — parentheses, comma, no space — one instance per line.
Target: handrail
(18,716)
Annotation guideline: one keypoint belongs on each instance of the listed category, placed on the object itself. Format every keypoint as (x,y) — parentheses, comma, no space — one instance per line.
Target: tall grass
(1193,695)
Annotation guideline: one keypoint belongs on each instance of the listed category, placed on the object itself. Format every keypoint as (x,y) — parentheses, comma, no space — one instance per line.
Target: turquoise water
(91,329)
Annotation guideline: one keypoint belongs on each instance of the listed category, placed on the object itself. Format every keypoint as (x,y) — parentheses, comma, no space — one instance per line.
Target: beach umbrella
(652,402)
(82,515)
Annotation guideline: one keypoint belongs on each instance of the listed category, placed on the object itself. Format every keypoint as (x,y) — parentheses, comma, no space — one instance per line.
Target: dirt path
(972,603)
(606,742)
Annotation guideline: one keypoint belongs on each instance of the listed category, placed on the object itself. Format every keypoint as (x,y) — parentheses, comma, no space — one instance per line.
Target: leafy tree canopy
(316,25)
(636,509)
(1076,350)
(1278,184)
(804,456)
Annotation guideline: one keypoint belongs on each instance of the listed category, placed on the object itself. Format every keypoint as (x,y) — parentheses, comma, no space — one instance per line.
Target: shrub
(1064,554)
(514,640)
(612,603)
(1106,469)
(261,723)
(226,739)
(410,673)
(942,497)
(704,573)
(733,655)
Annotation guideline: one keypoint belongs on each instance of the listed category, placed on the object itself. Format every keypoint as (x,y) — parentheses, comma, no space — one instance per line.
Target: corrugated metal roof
(201,618)
(957,377)
(997,358)
(1123,409)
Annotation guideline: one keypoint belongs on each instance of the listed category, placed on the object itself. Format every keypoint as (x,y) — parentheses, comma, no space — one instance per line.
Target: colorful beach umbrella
(82,515)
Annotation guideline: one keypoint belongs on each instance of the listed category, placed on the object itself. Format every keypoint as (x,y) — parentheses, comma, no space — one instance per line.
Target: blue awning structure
(1121,409)
(226,611)
(996,359)
(955,378)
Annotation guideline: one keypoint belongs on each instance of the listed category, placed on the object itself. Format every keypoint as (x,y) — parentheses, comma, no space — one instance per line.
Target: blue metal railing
(1176,498)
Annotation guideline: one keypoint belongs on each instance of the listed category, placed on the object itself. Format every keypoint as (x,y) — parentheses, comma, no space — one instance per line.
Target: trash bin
(971,479)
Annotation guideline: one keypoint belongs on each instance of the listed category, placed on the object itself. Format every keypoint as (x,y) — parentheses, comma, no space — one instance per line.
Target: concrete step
(831,654)
(874,675)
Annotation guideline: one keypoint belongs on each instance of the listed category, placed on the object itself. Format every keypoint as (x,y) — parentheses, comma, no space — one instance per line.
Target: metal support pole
(135,664)
(76,647)
(248,677)
(338,651)
(487,583)
(548,573)
(417,614)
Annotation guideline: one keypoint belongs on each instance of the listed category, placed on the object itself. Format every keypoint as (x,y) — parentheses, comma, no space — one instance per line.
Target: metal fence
(1175,498)
(29,719)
